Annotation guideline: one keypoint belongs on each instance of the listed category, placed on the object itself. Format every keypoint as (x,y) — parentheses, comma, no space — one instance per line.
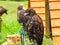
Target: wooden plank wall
(55,20)
(39,6)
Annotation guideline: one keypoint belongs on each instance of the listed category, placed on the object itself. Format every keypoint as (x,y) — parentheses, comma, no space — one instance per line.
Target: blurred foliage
(10,24)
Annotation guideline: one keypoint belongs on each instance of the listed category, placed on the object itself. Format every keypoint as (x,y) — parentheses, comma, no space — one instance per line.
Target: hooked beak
(26,14)
(6,12)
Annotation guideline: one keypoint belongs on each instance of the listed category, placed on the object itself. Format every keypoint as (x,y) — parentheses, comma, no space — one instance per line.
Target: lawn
(9,22)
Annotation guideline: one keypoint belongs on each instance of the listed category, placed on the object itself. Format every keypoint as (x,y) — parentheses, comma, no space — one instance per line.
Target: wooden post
(28,3)
(48,20)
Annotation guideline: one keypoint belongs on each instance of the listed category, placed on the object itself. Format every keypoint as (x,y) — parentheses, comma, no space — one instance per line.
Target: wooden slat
(56,40)
(37,7)
(54,0)
(55,31)
(54,5)
(55,22)
(56,27)
(55,14)
(37,4)
(55,18)
(54,9)
(44,0)
(56,36)
(37,0)
(39,10)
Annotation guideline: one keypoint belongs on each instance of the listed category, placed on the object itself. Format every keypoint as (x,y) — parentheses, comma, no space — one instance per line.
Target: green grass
(9,22)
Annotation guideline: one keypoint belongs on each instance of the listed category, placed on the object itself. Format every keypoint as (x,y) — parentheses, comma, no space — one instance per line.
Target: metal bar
(22,39)
(48,20)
